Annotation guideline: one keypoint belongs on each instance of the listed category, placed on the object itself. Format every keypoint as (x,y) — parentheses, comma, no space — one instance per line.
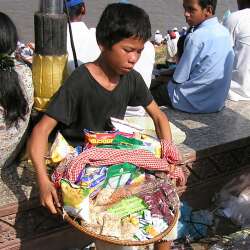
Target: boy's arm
(38,145)
(160,120)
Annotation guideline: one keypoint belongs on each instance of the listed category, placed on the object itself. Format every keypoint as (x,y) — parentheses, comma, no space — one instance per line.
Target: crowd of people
(116,59)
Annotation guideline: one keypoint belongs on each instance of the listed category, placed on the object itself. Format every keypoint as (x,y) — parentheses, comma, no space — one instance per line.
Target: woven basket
(114,240)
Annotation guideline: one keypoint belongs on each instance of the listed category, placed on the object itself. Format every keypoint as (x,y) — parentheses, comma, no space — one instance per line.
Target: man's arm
(160,120)
(38,145)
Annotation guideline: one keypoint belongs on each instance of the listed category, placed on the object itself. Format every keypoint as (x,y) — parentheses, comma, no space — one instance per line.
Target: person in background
(202,77)
(177,34)
(171,49)
(16,94)
(87,49)
(238,24)
(84,39)
(183,31)
(158,39)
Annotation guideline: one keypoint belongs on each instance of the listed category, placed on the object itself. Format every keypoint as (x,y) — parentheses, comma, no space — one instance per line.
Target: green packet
(128,206)
(119,146)
(118,175)
(119,139)
(121,142)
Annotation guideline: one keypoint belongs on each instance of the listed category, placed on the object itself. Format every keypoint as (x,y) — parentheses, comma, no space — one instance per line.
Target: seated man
(239,28)
(201,80)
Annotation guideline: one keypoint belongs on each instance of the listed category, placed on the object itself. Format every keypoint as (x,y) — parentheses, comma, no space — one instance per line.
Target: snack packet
(118,175)
(60,148)
(105,137)
(127,206)
(75,200)
(93,179)
(96,138)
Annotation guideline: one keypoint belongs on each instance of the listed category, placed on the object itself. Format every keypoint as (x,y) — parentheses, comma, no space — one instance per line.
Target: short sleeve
(63,105)
(141,95)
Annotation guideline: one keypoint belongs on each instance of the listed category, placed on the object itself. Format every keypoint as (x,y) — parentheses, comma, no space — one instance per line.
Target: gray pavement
(164,14)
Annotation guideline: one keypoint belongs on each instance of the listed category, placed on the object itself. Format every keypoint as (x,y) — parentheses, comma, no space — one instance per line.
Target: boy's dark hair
(120,21)
(11,96)
(205,3)
(75,11)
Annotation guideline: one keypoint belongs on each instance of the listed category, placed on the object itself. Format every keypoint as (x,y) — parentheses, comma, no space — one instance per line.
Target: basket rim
(115,241)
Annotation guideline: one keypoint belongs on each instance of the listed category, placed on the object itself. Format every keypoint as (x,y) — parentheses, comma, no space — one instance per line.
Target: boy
(239,29)
(97,91)
(202,77)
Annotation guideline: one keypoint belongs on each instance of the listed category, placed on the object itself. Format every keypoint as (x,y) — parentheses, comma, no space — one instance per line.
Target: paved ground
(164,14)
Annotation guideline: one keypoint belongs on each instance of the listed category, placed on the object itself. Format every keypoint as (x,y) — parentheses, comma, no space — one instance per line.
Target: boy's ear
(83,10)
(209,10)
(101,47)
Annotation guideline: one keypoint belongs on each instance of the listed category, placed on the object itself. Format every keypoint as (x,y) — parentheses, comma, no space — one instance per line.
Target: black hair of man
(206,3)
(243,4)
(75,11)
(11,95)
(120,21)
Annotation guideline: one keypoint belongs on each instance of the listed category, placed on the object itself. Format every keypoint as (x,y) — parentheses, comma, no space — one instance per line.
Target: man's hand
(48,196)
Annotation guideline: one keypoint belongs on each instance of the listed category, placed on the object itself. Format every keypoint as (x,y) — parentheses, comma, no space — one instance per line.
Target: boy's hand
(48,196)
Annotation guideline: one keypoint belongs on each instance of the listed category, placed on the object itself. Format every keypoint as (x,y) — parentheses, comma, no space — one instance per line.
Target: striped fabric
(107,157)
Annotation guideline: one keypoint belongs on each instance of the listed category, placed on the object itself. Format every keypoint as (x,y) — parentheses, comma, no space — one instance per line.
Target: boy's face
(123,55)
(194,13)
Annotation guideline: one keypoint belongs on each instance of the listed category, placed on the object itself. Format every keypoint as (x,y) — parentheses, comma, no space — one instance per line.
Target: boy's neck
(104,75)
(108,72)
(204,20)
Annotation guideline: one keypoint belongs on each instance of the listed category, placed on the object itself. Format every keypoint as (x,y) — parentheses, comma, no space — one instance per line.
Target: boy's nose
(186,14)
(133,58)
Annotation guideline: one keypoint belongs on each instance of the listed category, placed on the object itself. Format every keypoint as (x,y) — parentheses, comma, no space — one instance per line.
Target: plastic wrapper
(60,149)
(93,179)
(127,206)
(118,175)
(75,200)
(105,137)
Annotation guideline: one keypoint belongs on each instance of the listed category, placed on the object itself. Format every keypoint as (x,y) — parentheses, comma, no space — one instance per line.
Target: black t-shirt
(82,102)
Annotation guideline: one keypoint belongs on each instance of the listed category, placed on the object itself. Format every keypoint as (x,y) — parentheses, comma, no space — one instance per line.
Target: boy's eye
(128,50)
(139,51)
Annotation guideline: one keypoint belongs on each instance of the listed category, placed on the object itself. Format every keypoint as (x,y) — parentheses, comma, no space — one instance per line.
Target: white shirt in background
(238,24)
(85,43)
(158,38)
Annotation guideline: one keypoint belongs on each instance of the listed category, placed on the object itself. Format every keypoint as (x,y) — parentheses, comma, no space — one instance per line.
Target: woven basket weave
(114,240)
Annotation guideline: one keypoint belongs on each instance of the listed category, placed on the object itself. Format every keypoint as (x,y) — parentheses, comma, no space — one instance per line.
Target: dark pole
(50,60)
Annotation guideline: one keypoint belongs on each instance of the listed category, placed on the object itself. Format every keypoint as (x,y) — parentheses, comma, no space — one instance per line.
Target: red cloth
(170,152)
(106,157)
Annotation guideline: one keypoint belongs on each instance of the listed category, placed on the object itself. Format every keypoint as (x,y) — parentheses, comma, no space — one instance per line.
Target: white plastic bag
(234,200)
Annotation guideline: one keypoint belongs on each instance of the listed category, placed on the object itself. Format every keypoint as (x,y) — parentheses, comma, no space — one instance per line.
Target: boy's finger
(51,207)
(55,197)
